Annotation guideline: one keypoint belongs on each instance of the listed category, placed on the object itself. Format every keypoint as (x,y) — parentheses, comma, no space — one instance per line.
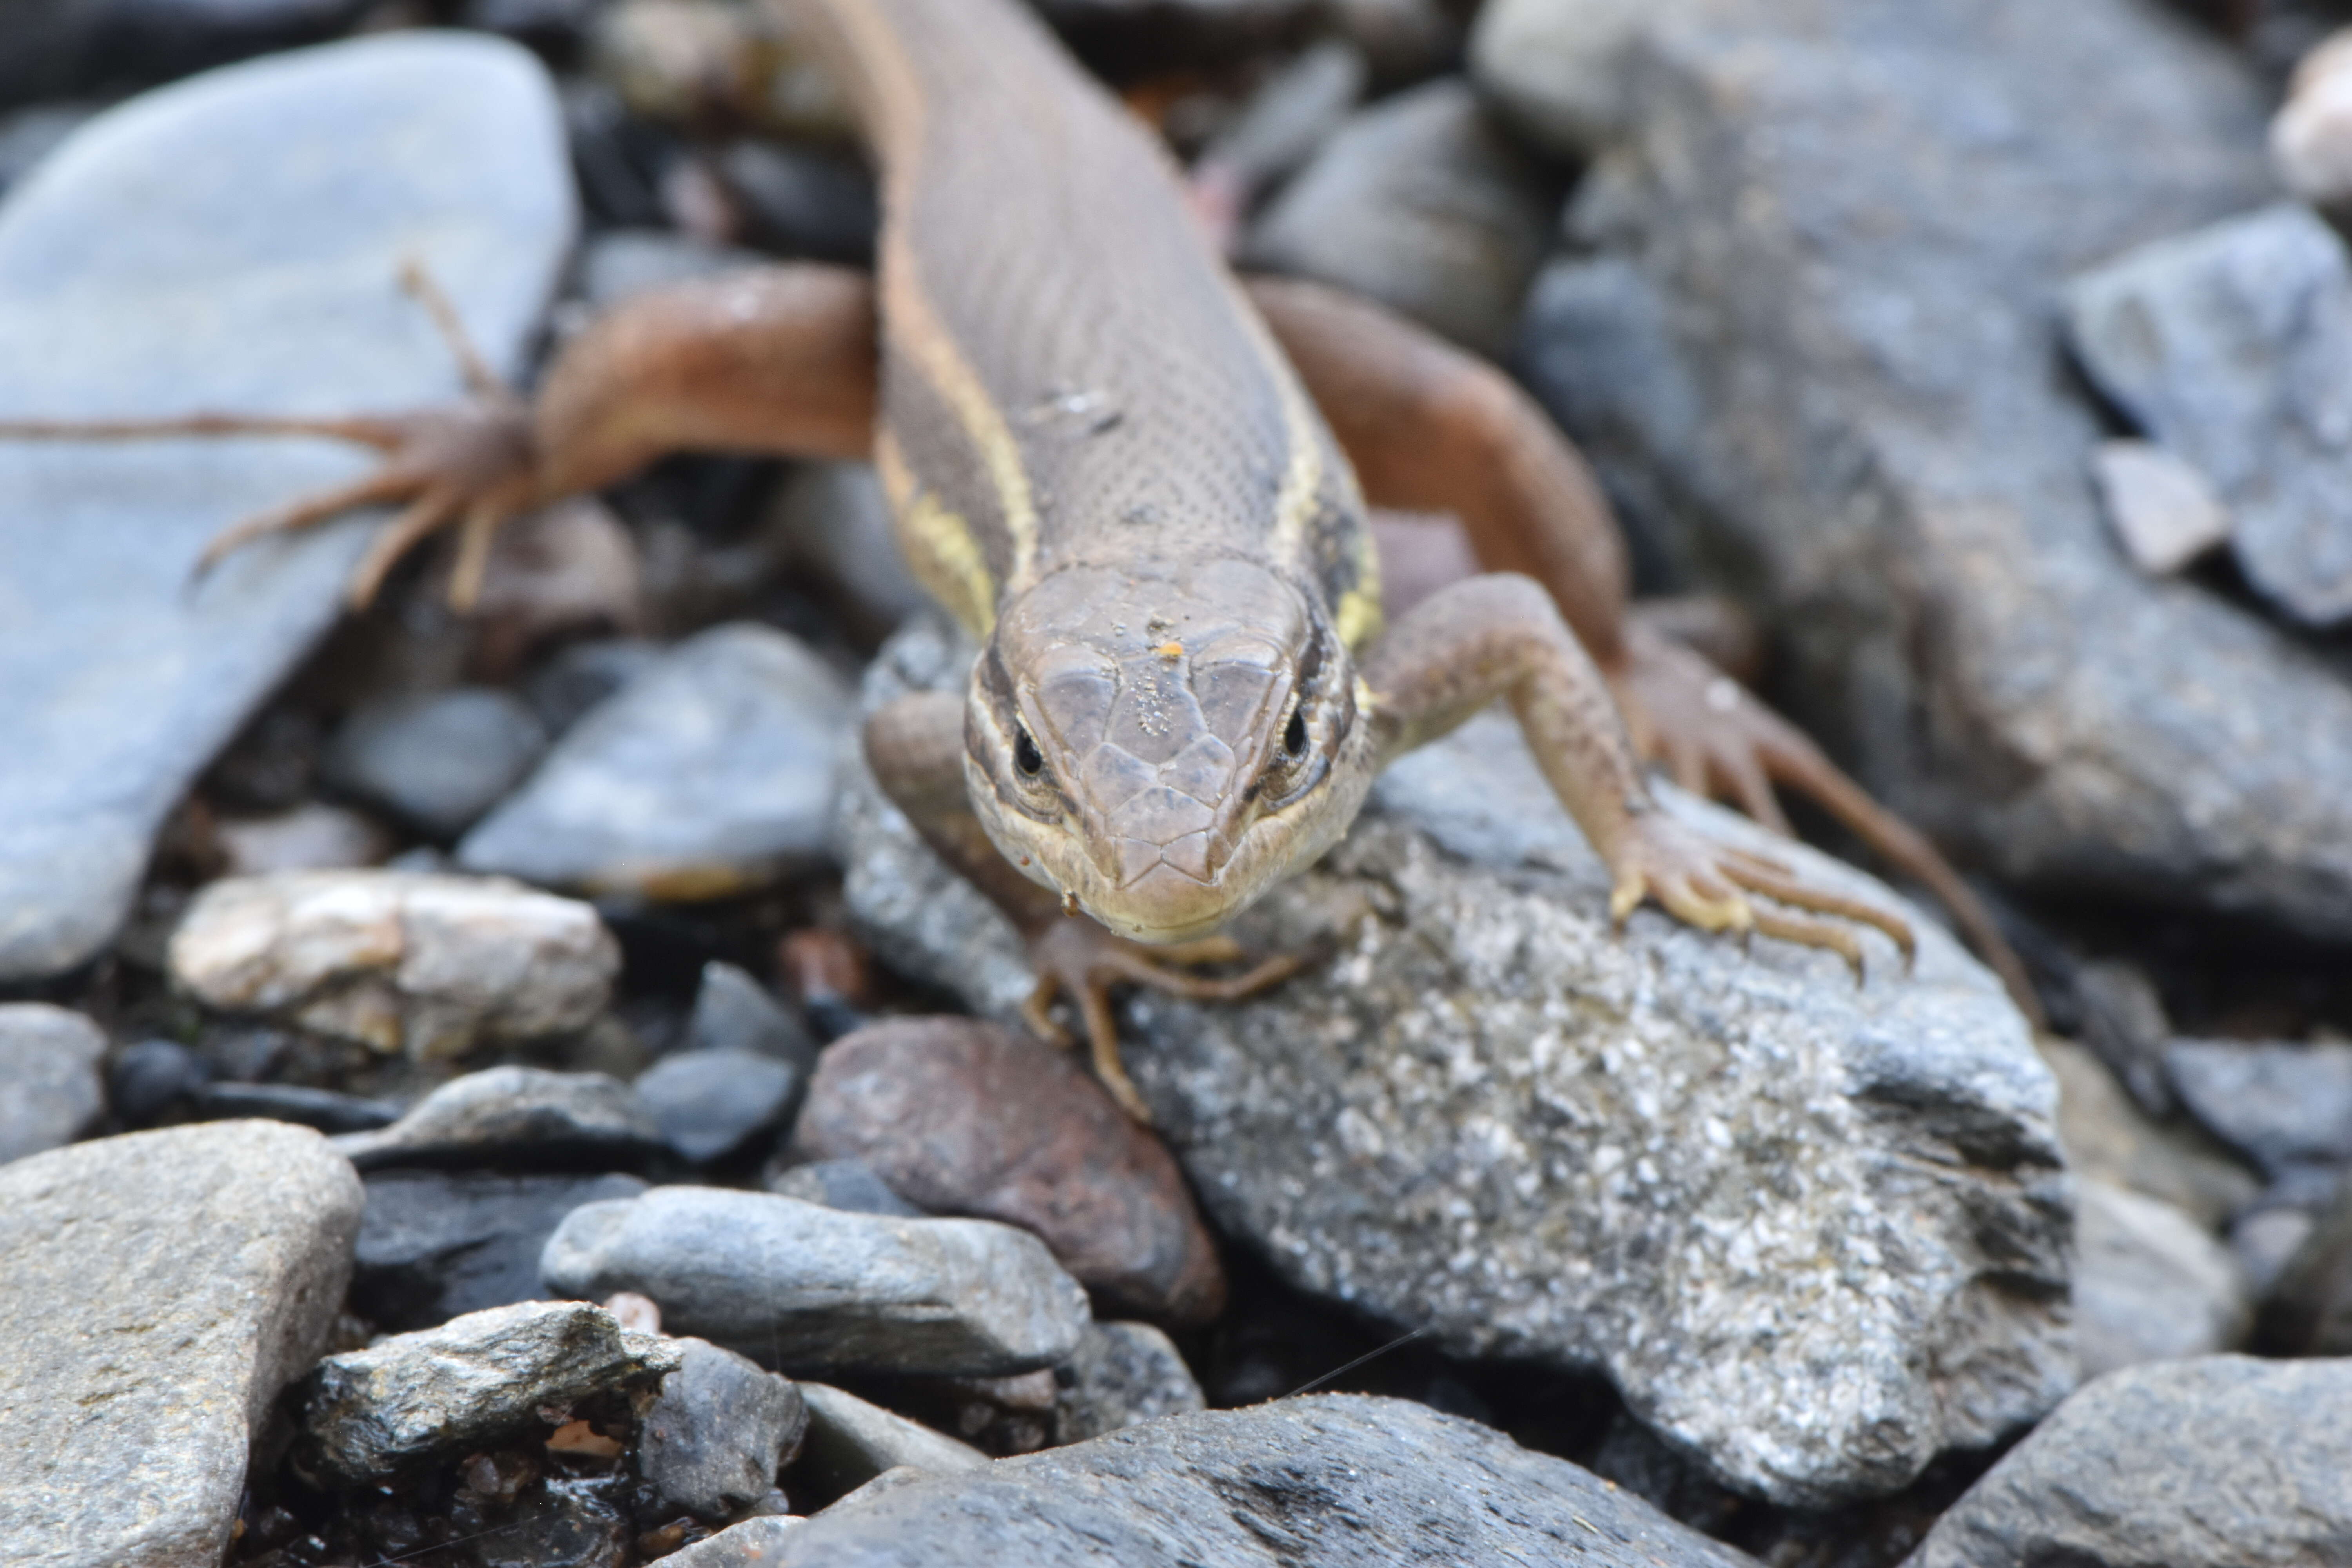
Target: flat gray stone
(1807,350)
(709,773)
(2224,345)
(2150,1284)
(753,1543)
(514,1116)
(713,1439)
(161,1288)
(2218,1462)
(1329,1481)
(851,1441)
(366,1416)
(1815,1233)
(2284,1105)
(733,1012)
(1562,69)
(711,1104)
(436,1245)
(1123,1375)
(49,1088)
(438,759)
(806,1288)
(179,254)
(2163,509)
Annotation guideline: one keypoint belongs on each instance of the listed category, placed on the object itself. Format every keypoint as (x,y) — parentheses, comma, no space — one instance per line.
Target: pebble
(366,1416)
(851,1441)
(1486,1072)
(712,1441)
(968,1118)
(1421,203)
(712,1105)
(2108,1138)
(1327,1481)
(437,760)
(49,1086)
(733,1012)
(120,682)
(2284,1105)
(310,838)
(1122,1375)
(150,1078)
(689,62)
(2311,140)
(54,50)
(2219,344)
(581,675)
(1561,69)
(322,1109)
(1287,119)
(436,1245)
(2309,1311)
(801,202)
(709,774)
(2164,511)
(412,962)
(832,521)
(850,1184)
(2217,1462)
(161,1288)
(2150,1283)
(515,1117)
(753,1543)
(2124,1021)
(807,1288)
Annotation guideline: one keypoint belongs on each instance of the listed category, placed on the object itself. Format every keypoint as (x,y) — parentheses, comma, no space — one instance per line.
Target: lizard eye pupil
(1294,734)
(1025,755)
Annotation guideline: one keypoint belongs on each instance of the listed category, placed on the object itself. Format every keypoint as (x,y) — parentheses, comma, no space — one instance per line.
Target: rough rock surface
(402,961)
(2224,344)
(851,1441)
(707,774)
(801,1287)
(968,1118)
(437,759)
(49,1092)
(2107,1138)
(1123,1374)
(434,1245)
(2213,1463)
(712,1440)
(750,1545)
(367,1414)
(2284,1105)
(1814,370)
(714,1104)
(514,1117)
(1305,1483)
(2149,1283)
(1816,1235)
(161,1288)
(117,682)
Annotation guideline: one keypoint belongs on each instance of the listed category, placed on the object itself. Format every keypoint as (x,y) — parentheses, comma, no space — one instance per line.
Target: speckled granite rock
(1816,1235)
(161,1288)
(117,682)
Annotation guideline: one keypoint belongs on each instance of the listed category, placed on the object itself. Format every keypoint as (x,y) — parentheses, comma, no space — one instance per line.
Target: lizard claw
(1079,958)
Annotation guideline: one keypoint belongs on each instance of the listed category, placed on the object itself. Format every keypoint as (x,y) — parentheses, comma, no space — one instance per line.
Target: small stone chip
(2162,509)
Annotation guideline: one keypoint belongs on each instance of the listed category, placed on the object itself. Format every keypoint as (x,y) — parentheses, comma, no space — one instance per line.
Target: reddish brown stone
(964,1117)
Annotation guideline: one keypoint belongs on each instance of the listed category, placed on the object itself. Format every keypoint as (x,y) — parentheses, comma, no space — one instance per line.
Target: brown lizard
(1141,485)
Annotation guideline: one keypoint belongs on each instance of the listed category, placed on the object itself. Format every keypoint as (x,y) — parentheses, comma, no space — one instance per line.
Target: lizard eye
(1025,755)
(1294,736)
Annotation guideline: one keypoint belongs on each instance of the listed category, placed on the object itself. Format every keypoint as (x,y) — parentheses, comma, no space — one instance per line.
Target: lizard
(1143,486)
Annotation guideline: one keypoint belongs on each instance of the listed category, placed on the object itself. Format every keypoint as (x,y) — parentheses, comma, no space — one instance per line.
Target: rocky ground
(508,1092)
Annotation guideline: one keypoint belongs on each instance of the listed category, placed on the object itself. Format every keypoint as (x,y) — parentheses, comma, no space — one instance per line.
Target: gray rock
(436,1245)
(28,135)
(404,961)
(2265,1243)
(87,44)
(2223,345)
(312,837)
(715,1103)
(2164,510)
(151,1077)
(2150,1284)
(1123,1375)
(2311,140)
(733,1012)
(851,1184)
(622,262)
(712,1441)
(1816,1235)
(1306,1483)
(2108,1139)
(803,201)
(2212,1463)
(1288,116)
(2284,1105)
(1562,69)
(49,1090)
(440,759)
(832,520)
(1804,349)
(711,774)
(850,1442)
(366,1416)
(753,1543)
(803,1287)
(118,680)
(1422,203)
(2309,1311)
(514,1116)
(322,1109)
(161,1288)
(2124,1021)
(581,675)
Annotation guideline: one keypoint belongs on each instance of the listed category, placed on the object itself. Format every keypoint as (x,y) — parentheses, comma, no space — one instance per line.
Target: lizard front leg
(1501,636)
(773,360)
(915,746)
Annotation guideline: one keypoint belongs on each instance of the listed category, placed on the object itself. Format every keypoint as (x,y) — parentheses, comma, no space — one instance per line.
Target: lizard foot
(471,464)
(1077,956)
(1708,885)
(1715,739)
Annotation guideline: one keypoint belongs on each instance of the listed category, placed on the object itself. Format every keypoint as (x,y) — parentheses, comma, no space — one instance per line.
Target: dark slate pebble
(846,1184)
(437,760)
(56,50)
(150,1078)
(434,1245)
(321,1107)
(967,1118)
(515,1118)
(803,202)
(733,1012)
(721,1427)
(715,1103)
(583,674)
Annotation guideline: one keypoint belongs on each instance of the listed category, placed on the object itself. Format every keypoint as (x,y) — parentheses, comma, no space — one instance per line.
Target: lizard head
(1164,745)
